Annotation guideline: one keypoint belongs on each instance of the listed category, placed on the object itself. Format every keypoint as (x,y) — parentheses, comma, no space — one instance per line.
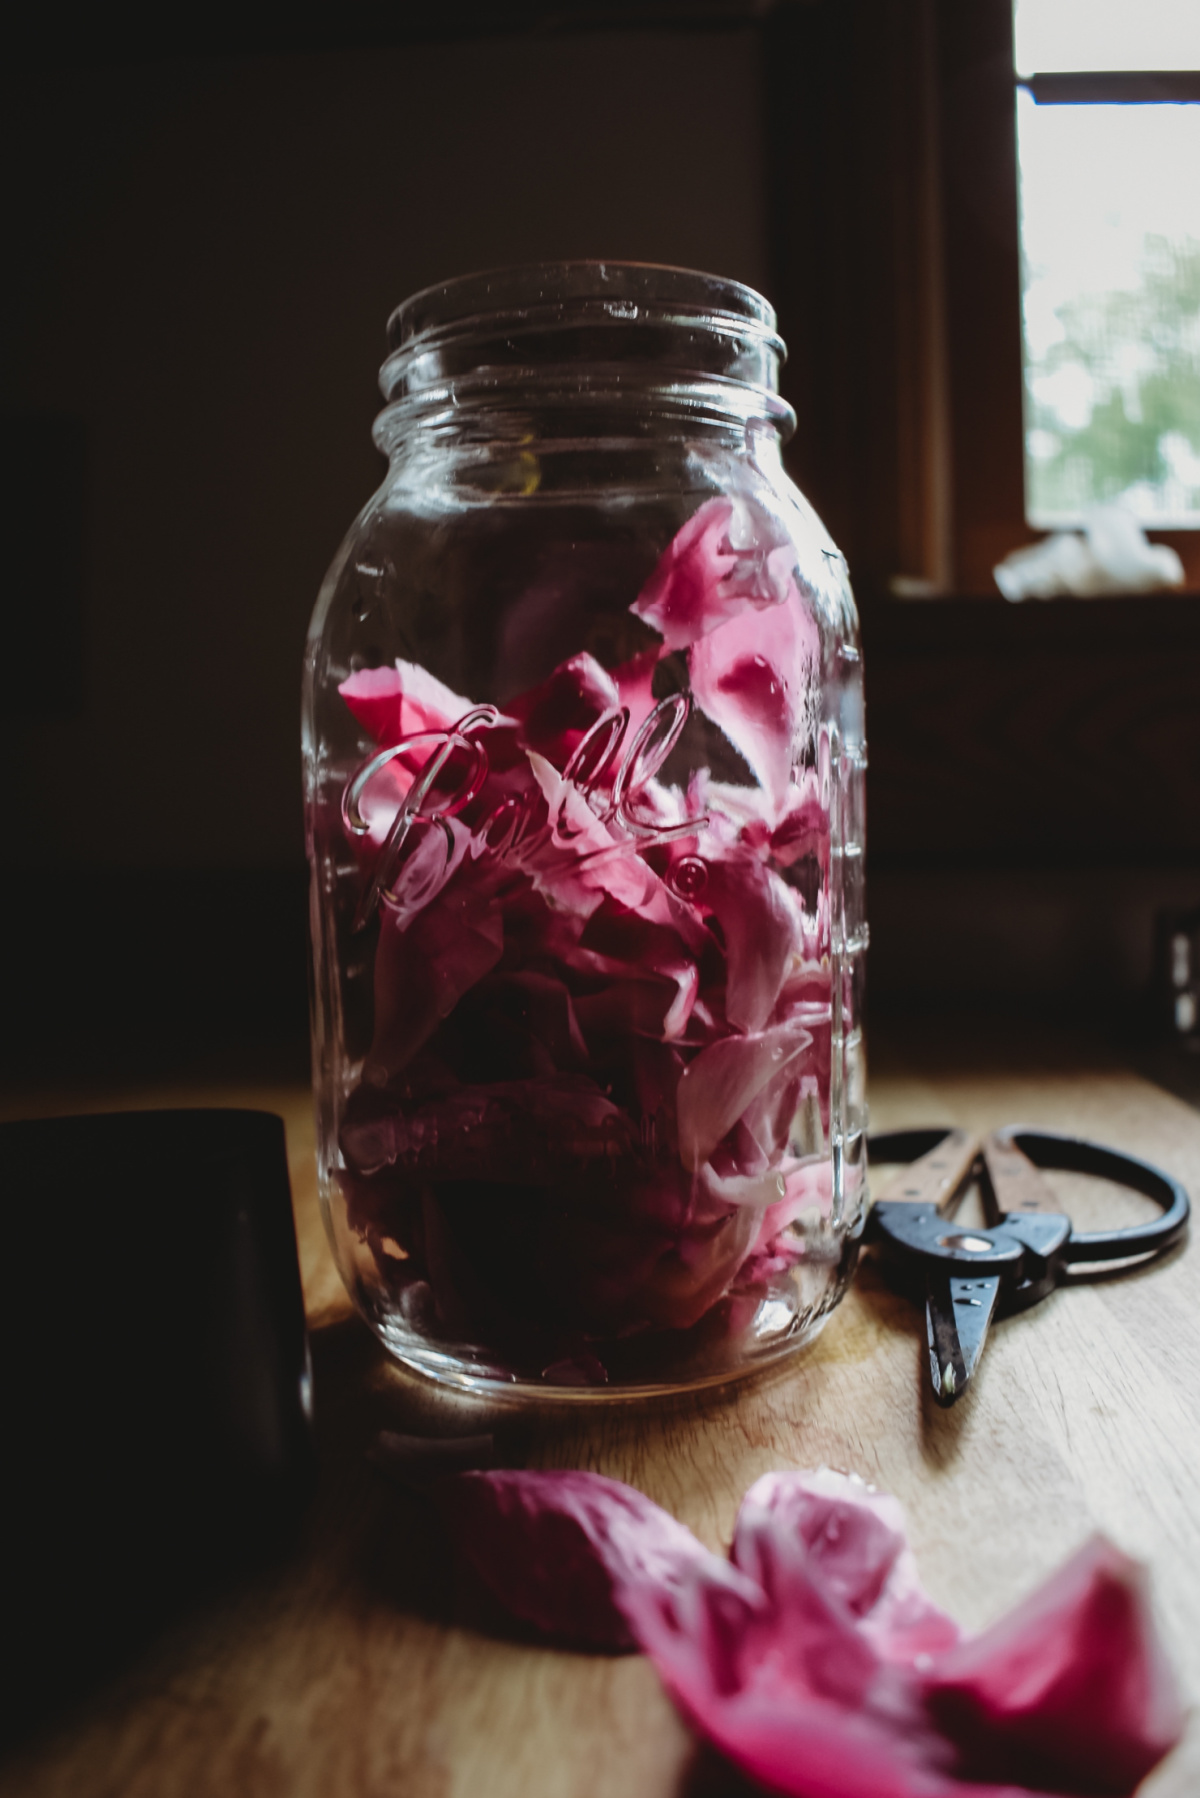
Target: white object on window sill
(913,586)
(1112,556)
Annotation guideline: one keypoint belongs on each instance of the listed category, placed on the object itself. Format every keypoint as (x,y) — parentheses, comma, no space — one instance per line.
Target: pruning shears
(1028,1246)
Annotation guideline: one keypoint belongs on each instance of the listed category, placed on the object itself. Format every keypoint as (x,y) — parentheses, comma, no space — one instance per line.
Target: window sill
(987,619)
(1053,732)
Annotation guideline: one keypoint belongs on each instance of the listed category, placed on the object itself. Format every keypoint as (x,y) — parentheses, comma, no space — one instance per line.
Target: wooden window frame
(893,167)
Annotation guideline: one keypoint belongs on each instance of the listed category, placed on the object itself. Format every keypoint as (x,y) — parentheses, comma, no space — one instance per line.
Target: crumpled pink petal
(815,1661)
(856,1536)
(807,1186)
(1073,1682)
(395,702)
(793,1692)
(660,1255)
(584,860)
(633,680)
(749,677)
(554,1547)
(760,923)
(726,557)
(556,716)
(632,949)
(719,1085)
(639,1005)
(509,1131)
(423,967)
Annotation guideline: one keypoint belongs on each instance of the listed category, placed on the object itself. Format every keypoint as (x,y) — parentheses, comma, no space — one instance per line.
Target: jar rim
(629,290)
(634,334)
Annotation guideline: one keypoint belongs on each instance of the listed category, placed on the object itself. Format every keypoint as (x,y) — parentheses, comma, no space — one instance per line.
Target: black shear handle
(1069,1154)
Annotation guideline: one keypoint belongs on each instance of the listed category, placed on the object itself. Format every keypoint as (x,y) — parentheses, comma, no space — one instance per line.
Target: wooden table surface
(362,1667)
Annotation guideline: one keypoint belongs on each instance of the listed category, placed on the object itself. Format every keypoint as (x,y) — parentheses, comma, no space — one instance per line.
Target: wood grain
(366,1666)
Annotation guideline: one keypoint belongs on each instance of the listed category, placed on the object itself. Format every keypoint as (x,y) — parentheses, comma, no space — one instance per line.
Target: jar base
(779,1326)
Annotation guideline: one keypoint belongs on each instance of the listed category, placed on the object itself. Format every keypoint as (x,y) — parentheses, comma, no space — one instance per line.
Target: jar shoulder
(432,531)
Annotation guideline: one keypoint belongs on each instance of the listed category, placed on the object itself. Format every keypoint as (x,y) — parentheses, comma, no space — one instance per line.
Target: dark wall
(204,255)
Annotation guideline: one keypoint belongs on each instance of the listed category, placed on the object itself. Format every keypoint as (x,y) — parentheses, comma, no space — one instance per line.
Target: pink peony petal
(793,1693)
(511,1132)
(555,717)
(856,1537)
(633,949)
(637,1007)
(405,701)
(391,703)
(380,801)
(583,859)
(431,856)
(576,861)
(801,828)
(541,1006)
(657,1253)
(1073,1684)
(573,950)
(749,677)
(767,1120)
(721,1082)
(633,680)
(761,925)
(726,557)
(815,1661)
(683,598)
(559,1549)
(776,1250)
(424,966)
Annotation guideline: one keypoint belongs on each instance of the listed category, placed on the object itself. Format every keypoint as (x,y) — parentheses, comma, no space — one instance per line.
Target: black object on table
(155,1373)
(1028,1246)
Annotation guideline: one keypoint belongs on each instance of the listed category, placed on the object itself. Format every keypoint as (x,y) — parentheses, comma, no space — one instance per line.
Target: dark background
(207,224)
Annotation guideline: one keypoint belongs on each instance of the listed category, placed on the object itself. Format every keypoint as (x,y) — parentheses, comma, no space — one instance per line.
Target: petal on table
(1072,1685)
(561,1549)
(856,1537)
(807,1661)
(797,1697)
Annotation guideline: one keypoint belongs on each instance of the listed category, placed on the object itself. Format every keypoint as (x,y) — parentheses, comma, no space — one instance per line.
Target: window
(1109,164)
(955,400)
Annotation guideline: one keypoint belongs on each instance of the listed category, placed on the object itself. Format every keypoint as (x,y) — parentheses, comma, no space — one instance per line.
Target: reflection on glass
(1051,35)
(1110,237)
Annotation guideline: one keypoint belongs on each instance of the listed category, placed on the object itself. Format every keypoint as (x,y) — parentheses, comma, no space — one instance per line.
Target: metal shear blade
(968,1275)
(958,1313)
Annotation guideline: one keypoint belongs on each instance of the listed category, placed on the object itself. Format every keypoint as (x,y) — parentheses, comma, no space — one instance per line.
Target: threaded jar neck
(676,344)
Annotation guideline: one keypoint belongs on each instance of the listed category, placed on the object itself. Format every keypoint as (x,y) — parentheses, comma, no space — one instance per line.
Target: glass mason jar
(583,752)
